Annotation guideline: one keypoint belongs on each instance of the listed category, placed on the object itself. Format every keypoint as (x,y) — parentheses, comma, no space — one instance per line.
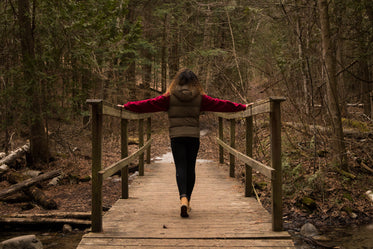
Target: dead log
(29,182)
(40,198)
(15,154)
(41,221)
(16,198)
(348,132)
(55,215)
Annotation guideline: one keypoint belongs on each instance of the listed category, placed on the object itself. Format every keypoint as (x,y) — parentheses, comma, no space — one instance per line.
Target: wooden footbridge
(223,213)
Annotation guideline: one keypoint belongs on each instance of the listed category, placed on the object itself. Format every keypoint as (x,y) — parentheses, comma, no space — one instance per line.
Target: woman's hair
(185,76)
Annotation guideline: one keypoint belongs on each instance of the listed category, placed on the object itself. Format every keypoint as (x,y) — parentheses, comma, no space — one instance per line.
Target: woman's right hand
(250,104)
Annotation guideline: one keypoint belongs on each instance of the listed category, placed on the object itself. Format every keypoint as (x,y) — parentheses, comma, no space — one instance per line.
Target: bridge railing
(271,106)
(274,173)
(100,108)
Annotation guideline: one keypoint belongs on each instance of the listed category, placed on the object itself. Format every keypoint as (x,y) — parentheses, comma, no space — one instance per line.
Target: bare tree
(38,139)
(329,65)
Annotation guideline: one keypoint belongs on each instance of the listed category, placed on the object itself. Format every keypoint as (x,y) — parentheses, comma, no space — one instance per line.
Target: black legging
(184,151)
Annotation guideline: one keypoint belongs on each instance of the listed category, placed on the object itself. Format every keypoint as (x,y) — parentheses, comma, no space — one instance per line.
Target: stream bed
(342,238)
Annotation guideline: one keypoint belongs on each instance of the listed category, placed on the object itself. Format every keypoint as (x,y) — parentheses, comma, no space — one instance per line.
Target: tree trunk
(164,56)
(369,10)
(147,66)
(38,139)
(173,61)
(339,157)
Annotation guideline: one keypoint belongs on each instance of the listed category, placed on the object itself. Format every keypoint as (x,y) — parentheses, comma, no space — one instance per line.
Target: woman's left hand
(120,106)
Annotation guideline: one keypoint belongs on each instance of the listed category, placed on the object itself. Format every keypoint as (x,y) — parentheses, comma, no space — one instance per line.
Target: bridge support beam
(124,154)
(141,144)
(232,159)
(148,137)
(221,137)
(249,151)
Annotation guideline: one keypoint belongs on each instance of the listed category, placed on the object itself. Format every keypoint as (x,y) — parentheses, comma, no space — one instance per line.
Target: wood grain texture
(221,216)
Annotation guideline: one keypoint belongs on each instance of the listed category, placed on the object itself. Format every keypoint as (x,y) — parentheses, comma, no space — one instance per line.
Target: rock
(85,178)
(32,173)
(309,230)
(353,215)
(4,167)
(67,228)
(204,132)
(22,242)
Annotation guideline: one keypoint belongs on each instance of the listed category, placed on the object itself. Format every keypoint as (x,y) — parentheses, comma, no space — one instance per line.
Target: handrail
(258,166)
(100,108)
(271,106)
(115,111)
(259,107)
(111,170)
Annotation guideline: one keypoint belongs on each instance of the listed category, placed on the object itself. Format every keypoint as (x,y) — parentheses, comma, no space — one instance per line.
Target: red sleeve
(158,104)
(210,104)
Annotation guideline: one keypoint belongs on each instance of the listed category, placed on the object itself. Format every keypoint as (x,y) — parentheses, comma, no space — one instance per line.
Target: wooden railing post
(275,124)
(124,154)
(221,137)
(96,165)
(148,137)
(249,152)
(141,144)
(233,145)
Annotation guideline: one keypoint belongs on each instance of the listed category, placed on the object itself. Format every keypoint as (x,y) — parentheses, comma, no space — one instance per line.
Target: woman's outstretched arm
(210,104)
(158,104)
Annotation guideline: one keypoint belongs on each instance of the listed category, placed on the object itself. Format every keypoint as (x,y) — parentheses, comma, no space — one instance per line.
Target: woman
(184,100)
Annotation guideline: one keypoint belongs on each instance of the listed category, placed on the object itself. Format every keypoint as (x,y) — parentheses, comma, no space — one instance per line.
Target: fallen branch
(15,154)
(362,164)
(346,174)
(29,182)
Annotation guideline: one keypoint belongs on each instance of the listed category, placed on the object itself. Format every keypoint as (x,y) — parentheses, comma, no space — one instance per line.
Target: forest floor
(313,192)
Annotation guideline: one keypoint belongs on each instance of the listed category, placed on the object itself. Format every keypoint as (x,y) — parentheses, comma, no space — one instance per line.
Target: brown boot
(184,207)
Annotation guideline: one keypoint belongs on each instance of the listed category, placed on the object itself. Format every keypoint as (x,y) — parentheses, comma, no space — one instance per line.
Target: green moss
(361,126)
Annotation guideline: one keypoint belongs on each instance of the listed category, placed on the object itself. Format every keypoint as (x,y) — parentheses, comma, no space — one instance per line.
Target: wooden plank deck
(221,216)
